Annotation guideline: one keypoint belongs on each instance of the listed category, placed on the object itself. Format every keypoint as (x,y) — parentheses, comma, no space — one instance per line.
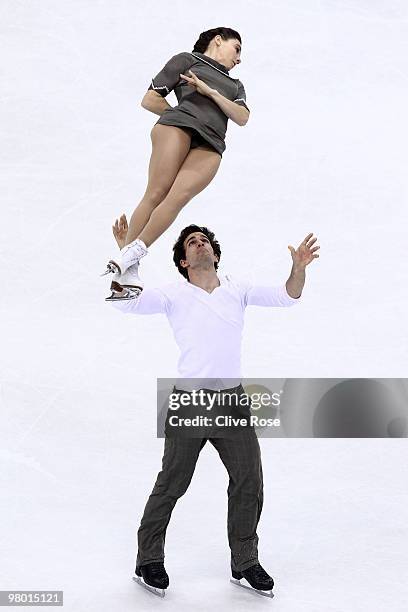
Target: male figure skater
(206,313)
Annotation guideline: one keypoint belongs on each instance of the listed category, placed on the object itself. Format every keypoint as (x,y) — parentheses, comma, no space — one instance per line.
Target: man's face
(199,252)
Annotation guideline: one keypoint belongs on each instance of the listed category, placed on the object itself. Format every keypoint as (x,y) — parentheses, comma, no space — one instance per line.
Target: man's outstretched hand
(301,257)
(305,253)
(120,230)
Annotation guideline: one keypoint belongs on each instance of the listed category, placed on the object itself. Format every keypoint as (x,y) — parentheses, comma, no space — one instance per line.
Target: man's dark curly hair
(179,251)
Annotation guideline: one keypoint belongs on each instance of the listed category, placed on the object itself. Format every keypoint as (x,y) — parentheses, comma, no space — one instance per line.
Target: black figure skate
(255,579)
(152,577)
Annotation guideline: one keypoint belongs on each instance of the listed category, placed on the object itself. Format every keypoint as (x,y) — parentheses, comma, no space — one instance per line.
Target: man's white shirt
(207,327)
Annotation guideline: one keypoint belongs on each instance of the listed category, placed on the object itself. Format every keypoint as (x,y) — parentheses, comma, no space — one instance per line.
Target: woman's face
(229,52)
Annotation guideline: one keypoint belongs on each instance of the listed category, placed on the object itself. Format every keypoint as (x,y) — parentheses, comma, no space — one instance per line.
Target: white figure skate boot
(130,254)
(127,286)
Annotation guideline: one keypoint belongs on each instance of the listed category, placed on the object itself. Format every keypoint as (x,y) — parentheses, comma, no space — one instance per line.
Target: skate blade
(154,590)
(121,293)
(111,268)
(249,588)
(127,295)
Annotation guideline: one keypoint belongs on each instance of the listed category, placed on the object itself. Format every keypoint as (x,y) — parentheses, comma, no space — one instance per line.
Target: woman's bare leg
(199,168)
(170,146)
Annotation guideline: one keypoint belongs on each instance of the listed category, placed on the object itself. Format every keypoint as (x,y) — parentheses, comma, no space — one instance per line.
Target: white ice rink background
(325,151)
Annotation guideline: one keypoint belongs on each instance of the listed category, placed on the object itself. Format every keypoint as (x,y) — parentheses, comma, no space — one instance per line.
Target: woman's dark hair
(179,251)
(206,37)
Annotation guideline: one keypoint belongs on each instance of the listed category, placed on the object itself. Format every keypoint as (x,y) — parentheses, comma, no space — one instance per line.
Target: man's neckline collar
(221,280)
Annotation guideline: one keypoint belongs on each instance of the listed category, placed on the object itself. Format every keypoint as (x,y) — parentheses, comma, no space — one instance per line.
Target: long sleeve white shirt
(207,327)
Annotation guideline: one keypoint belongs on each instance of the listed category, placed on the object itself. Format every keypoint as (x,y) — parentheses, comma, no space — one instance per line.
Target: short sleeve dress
(195,111)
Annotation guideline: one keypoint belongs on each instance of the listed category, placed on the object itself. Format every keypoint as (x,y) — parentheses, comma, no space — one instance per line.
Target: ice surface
(324,151)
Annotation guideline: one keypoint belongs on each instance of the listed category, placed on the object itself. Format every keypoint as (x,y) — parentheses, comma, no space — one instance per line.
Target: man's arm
(259,295)
(288,294)
(150,301)
(296,282)
(301,257)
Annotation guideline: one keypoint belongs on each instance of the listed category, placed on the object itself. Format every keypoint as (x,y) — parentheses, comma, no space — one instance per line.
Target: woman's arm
(237,113)
(164,82)
(154,102)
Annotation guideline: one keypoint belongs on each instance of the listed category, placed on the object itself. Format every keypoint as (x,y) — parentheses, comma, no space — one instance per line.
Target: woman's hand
(120,230)
(198,85)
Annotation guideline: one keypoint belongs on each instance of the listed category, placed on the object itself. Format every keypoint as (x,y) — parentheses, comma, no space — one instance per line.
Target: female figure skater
(187,142)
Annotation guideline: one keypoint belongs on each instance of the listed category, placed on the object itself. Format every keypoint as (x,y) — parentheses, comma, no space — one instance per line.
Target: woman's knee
(155,194)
